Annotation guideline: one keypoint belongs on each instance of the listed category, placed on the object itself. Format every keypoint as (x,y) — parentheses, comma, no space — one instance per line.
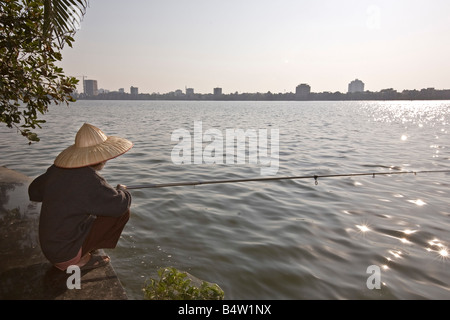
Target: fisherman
(80,211)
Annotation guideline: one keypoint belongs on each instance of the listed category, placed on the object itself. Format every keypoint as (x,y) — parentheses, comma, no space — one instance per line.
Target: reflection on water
(438,247)
(417,202)
(363,228)
(417,113)
(282,239)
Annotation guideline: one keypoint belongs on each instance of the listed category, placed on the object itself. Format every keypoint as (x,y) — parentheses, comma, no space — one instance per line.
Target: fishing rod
(315,177)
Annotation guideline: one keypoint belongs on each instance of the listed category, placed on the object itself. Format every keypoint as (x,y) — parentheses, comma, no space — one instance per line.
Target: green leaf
(176,285)
(28,52)
(61,17)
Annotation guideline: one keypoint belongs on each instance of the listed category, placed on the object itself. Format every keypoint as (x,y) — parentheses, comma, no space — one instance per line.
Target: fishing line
(315,177)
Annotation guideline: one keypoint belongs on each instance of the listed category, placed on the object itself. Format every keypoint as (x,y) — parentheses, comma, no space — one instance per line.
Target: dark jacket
(71,200)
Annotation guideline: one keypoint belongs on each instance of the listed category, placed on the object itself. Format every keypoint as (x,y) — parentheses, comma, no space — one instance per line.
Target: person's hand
(121,187)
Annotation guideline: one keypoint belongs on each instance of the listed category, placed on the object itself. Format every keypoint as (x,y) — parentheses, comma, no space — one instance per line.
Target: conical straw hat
(91,146)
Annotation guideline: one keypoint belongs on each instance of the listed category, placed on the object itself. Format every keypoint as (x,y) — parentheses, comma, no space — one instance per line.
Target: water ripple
(288,239)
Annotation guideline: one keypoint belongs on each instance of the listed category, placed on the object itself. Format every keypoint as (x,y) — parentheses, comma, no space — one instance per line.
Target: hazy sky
(261,45)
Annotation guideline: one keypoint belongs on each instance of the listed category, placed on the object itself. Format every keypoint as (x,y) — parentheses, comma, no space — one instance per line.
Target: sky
(260,45)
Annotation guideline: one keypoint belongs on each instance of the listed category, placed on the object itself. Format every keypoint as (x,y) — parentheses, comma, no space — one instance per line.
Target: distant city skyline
(302,93)
(261,46)
(353,86)
(302,90)
(90,88)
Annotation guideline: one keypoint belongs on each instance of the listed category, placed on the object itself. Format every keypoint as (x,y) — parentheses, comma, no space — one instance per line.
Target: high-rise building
(189,92)
(302,90)
(356,86)
(217,91)
(134,90)
(90,87)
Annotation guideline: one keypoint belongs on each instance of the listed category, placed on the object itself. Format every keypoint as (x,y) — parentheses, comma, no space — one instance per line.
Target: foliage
(176,285)
(62,17)
(31,38)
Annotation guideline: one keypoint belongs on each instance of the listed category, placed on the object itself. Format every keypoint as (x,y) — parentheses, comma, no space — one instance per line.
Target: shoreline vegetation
(385,94)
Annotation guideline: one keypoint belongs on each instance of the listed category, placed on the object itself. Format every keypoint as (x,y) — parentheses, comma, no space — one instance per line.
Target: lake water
(289,239)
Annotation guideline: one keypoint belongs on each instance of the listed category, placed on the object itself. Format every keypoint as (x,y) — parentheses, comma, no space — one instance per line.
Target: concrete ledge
(25,274)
